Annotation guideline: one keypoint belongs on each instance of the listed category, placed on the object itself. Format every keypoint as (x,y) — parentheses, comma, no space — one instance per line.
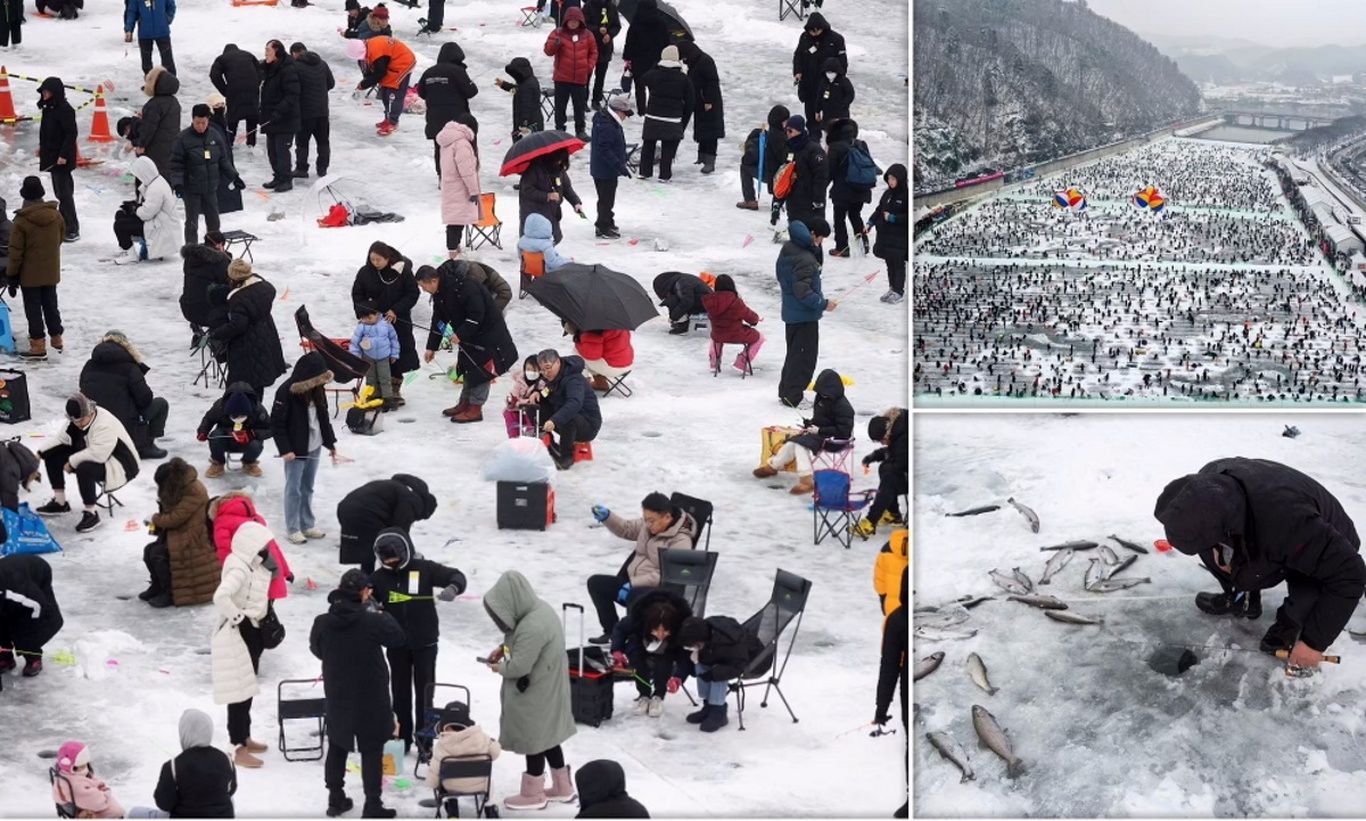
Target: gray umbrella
(594,298)
(628,10)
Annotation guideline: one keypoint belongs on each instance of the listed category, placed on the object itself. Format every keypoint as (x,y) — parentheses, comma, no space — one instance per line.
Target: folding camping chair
(107,501)
(788,8)
(834,454)
(346,367)
(786,604)
(488,228)
(312,709)
(688,573)
(213,372)
(464,766)
(67,808)
(700,510)
(533,266)
(240,238)
(718,352)
(633,158)
(434,718)
(617,384)
(548,103)
(835,507)
(531,16)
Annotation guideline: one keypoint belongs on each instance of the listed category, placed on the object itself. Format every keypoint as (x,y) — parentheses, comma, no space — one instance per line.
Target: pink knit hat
(72,754)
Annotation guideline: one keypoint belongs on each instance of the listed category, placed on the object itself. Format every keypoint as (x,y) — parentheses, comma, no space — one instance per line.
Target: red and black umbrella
(537,144)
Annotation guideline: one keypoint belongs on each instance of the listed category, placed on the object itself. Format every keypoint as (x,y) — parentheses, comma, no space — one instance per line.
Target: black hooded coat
(447,88)
(349,639)
(363,513)
(832,415)
(57,132)
(602,792)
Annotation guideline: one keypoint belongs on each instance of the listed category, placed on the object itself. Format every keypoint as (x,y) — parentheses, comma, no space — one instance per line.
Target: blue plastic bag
(26,533)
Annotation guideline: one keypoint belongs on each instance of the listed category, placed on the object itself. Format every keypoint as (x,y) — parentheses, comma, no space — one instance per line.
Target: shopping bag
(25,532)
(773,438)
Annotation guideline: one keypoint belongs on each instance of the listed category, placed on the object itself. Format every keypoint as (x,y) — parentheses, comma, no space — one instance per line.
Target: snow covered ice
(136,669)
(1101,733)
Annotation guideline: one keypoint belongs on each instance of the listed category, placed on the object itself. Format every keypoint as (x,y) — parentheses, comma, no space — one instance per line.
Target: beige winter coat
(457,741)
(241,595)
(643,568)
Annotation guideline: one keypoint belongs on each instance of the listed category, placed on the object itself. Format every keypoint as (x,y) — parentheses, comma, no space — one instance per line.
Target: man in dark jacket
(835,94)
(607,161)
(806,199)
(57,150)
(646,37)
(666,120)
(765,149)
(571,403)
(893,228)
(603,19)
(237,422)
(721,648)
(447,89)
(799,279)
(647,641)
(206,267)
(253,342)
(817,44)
(115,379)
(894,480)
(315,80)
(682,294)
(152,19)
(378,505)
(200,782)
(1255,523)
(237,76)
(896,650)
(408,587)
(602,791)
(349,638)
(848,199)
(280,92)
(484,348)
(526,97)
(160,125)
(29,615)
(199,159)
(709,117)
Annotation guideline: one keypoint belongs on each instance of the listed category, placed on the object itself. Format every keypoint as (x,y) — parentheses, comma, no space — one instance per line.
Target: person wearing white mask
(237,423)
(647,642)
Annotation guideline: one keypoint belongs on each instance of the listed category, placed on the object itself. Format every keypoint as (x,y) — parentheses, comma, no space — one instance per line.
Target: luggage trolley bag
(590,676)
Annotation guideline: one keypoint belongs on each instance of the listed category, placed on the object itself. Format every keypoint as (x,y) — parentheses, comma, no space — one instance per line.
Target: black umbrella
(628,10)
(594,298)
(537,144)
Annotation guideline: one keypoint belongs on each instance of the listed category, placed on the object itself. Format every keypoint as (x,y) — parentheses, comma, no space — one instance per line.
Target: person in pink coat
(77,784)
(459,178)
(228,512)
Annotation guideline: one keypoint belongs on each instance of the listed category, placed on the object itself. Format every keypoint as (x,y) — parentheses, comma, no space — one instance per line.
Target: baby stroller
(474,772)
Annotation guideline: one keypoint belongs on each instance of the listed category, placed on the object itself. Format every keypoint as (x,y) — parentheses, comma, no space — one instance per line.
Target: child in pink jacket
(524,384)
(76,784)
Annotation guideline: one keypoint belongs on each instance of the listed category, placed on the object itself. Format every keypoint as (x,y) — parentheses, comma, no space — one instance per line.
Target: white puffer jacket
(242,594)
(107,443)
(158,211)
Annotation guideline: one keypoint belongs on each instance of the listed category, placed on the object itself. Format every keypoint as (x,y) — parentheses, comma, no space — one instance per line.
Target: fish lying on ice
(928,665)
(1055,564)
(1068,617)
(951,750)
(994,738)
(1079,544)
(1027,512)
(977,670)
(1125,543)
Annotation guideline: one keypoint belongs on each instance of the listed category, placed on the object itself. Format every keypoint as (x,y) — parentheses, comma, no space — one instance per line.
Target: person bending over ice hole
(661,526)
(200,782)
(720,649)
(236,423)
(376,506)
(569,400)
(484,348)
(646,641)
(832,420)
(97,449)
(524,398)
(1255,523)
(891,429)
(181,562)
(115,379)
(29,615)
(683,295)
(404,586)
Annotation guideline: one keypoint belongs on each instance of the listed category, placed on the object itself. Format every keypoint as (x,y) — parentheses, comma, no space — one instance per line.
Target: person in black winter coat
(720,648)
(57,149)
(200,782)
(848,200)
(315,80)
(6,228)
(666,120)
(281,88)
(484,348)
(603,19)
(19,468)
(682,294)
(765,149)
(302,427)
(896,651)
(646,37)
(447,89)
(349,638)
(237,76)
(526,97)
(829,428)
(160,119)
(408,587)
(388,279)
(570,406)
(254,352)
(709,116)
(817,44)
(29,615)
(229,195)
(355,18)
(893,228)
(115,379)
(1255,523)
(365,512)
(544,188)
(894,480)
(206,267)
(237,422)
(602,792)
(835,93)
(647,641)
(199,160)
(806,200)
(11,22)
(607,161)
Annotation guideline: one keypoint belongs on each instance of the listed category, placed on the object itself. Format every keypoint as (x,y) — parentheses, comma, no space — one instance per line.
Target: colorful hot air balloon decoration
(1150,199)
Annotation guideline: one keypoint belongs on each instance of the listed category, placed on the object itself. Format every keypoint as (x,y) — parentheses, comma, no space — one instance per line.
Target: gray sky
(1273,22)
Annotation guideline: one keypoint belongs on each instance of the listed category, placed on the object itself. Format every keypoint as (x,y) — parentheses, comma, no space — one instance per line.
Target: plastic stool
(6,329)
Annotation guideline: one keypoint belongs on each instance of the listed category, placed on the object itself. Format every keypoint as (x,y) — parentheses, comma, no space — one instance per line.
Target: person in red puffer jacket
(228,512)
(576,56)
(605,353)
(732,323)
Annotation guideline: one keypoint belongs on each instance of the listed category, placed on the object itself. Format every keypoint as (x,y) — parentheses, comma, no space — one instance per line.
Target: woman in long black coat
(386,279)
(206,266)
(709,116)
(485,348)
(254,352)
(646,36)
(349,639)
(666,117)
(893,229)
(375,506)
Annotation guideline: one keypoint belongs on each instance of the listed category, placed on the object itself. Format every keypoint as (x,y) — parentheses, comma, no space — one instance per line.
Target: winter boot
(37,349)
(600,382)
(161,600)
(804,486)
(561,785)
(747,205)
(764,471)
(242,758)
(300,174)
(700,715)
(532,796)
(471,413)
(33,666)
(863,529)
(57,342)
(375,809)
(863,240)
(708,163)
(397,385)
(287,184)
(840,252)
(160,568)
(1247,605)
(252,469)
(338,803)
(1281,636)
(715,720)
(459,408)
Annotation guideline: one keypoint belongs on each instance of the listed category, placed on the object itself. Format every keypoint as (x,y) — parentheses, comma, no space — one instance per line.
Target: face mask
(830,76)
(532,376)
(653,645)
(694,652)
(237,420)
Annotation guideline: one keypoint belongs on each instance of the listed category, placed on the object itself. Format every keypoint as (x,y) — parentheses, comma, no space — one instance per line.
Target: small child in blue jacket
(376,342)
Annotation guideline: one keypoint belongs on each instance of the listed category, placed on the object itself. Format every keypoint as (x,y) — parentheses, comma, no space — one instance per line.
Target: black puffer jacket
(350,639)
(218,421)
(570,396)
(646,37)
(526,102)
(807,197)
(315,80)
(160,119)
(669,104)
(280,91)
(28,607)
(297,397)
(542,178)
(486,348)
(57,132)
(200,786)
(602,792)
(707,124)
(237,76)
(205,267)
(407,592)
(599,15)
(842,136)
(895,456)
(890,220)
(117,382)
(254,352)
(834,97)
(832,416)
(1279,523)
(383,503)
(199,162)
(629,635)
(729,649)
(447,88)
(808,58)
(775,145)
(392,289)
(681,293)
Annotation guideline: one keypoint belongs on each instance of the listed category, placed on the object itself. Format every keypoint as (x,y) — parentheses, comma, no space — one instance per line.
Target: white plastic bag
(524,459)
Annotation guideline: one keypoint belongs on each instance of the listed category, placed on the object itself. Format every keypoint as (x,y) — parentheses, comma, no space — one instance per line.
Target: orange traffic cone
(8,116)
(99,127)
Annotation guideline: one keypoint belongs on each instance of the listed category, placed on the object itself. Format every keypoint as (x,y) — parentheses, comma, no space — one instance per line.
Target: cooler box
(525,505)
(13,397)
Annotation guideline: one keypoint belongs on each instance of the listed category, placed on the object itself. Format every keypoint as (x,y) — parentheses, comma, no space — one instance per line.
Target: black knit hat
(79,406)
(352,5)
(693,631)
(32,189)
(817,226)
(352,582)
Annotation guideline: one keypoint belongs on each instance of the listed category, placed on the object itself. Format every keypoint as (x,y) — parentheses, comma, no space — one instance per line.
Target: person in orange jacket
(388,64)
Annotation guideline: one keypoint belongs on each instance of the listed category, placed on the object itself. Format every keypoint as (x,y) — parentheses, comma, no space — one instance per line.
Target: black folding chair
(107,501)
(313,708)
(463,766)
(68,808)
(617,384)
(633,157)
(240,238)
(700,510)
(434,718)
(688,573)
(786,604)
(211,370)
(548,103)
(788,8)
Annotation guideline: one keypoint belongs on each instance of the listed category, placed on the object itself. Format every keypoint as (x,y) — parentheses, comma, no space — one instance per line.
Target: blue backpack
(860,171)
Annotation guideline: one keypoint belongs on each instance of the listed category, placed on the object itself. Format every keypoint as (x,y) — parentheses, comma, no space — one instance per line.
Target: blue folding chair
(835,507)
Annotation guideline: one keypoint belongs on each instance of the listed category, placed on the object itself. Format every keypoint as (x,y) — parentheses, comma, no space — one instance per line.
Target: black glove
(868,460)
(13,288)
(523,683)
(237,184)
(178,189)
(881,718)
